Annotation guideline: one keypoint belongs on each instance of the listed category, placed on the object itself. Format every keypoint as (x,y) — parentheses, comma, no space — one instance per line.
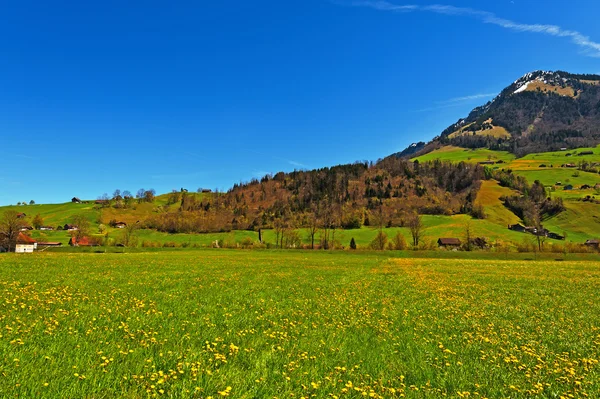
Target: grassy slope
(457,154)
(580,219)
(296,324)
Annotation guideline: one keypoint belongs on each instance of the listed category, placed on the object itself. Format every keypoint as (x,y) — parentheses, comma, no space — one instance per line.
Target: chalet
(46,228)
(70,227)
(120,225)
(82,242)
(592,244)
(21,215)
(568,165)
(586,153)
(568,187)
(449,242)
(25,244)
(517,227)
(26,228)
(76,200)
(558,183)
(585,187)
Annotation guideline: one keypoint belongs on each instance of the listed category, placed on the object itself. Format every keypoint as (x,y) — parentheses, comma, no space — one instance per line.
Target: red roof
(25,239)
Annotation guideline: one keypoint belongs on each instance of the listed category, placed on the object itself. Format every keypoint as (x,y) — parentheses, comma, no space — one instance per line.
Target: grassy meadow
(292,324)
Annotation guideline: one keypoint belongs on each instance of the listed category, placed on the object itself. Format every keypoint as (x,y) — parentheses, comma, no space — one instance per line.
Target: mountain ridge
(539,111)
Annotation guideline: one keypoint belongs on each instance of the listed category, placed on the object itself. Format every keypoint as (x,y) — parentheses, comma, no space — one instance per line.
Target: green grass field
(272,324)
(457,154)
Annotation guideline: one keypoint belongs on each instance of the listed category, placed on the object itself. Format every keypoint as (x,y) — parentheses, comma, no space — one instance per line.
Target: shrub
(379,241)
(399,242)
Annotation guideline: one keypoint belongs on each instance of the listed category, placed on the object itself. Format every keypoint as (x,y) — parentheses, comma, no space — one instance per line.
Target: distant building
(592,244)
(70,227)
(26,228)
(120,225)
(449,242)
(517,227)
(568,187)
(586,153)
(25,244)
(46,228)
(49,244)
(82,242)
(21,215)
(76,200)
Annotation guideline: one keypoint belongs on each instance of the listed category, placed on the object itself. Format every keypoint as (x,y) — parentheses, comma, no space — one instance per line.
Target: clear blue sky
(102,95)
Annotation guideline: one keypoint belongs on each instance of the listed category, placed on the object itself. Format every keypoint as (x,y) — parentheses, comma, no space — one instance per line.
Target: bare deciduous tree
(10,226)
(415,224)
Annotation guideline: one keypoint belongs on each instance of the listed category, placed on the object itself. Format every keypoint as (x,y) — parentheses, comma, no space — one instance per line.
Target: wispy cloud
(589,47)
(467,98)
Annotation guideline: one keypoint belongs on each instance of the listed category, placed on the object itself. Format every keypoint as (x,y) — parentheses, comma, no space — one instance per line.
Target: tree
(352,243)
(32,202)
(149,195)
(101,229)
(379,241)
(415,224)
(38,221)
(399,242)
(10,227)
(83,225)
(129,235)
(468,237)
(117,195)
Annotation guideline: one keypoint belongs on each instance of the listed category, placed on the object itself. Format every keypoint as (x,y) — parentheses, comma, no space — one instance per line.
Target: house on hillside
(21,215)
(76,200)
(26,228)
(46,228)
(70,227)
(585,187)
(568,165)
(25,244)
(592,244)
(449,242)
(517,227)
(120,225)
(82,242)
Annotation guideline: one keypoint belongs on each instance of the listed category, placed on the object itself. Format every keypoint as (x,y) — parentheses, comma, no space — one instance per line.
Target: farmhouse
(46,228)
(25,244)
(449,242)
(592,244)
(21,215)
(82,242)
(70,227)
(120,225)
(585,187)
(568,165)
(76,200)
(26,228)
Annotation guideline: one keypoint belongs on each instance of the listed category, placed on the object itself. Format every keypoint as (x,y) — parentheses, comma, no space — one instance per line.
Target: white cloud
(589,47)
(467,98)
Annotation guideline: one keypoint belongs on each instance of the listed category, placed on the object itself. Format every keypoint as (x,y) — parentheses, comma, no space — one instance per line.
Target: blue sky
(96,96)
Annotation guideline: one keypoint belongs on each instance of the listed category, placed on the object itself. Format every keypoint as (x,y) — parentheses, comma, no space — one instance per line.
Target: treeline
(344,196)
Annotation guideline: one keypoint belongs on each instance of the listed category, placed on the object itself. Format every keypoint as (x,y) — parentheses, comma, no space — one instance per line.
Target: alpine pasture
(293,324)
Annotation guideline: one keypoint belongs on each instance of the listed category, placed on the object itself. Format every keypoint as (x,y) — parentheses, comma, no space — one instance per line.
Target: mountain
(540,111)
